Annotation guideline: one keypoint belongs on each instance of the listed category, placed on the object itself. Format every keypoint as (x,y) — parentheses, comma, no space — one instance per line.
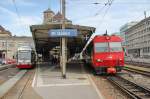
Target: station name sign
(63,33)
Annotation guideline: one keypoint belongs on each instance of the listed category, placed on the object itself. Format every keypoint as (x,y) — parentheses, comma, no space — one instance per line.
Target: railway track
(4,67)
(146,73)
(7,72)
(26,84)
(133,90)
(17,91)
(145,65)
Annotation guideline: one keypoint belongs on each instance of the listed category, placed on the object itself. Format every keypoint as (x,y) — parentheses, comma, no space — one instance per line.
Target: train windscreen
(101,47)
(108,47)
(24,55)
(115,46)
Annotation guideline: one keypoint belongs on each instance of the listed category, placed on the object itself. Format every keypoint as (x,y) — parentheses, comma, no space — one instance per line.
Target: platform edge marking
(51,85)
(34,79)
(39,79)
(95,87)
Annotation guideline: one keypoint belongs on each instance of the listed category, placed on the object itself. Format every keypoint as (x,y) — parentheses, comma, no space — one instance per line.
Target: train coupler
(111,70)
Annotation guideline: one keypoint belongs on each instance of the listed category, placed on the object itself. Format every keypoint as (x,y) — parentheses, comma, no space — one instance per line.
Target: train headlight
(99,60)
(110,57)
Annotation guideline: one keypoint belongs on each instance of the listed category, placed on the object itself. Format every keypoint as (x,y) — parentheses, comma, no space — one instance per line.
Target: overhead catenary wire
(106,11)
(18,14)
(73,2)
(88,42)
(97,3)
(83,3)
(109,3)
(105,4)
(132,2)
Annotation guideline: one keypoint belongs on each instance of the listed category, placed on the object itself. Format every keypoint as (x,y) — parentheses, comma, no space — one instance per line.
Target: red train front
(106,54)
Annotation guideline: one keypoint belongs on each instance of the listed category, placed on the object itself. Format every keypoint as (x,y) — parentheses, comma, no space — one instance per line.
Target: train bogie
(107,69)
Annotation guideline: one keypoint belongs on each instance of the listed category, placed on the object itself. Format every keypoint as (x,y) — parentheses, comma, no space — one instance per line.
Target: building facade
(123,29)
(138,39)
(9,44)
(4,33)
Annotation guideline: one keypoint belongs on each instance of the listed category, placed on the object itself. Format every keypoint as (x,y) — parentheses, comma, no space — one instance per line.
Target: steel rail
(132,89)
(145,65)
(146,73)
(26,84)
(4,67)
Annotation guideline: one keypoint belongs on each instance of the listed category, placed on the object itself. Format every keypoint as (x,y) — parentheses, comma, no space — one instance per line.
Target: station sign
(63,33)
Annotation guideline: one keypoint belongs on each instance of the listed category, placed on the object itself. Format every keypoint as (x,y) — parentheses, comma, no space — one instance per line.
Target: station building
(9,44)
(47,45)
(138,39)
(49,17)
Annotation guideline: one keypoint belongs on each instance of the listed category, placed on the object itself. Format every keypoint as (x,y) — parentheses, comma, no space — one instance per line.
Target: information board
(62,32)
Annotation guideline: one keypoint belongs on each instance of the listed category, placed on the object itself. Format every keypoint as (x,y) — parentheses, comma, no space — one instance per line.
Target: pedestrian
(52,60)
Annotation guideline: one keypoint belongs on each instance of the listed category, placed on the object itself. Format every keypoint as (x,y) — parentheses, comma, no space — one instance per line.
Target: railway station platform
(49,84)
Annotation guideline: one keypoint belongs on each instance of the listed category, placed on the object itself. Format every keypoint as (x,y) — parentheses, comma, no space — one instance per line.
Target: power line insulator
(96,3)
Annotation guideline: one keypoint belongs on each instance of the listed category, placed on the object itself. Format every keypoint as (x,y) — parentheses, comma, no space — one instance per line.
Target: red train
(105,54)
(26,57)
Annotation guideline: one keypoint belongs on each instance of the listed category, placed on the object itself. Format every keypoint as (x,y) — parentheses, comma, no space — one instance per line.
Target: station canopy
(44,43)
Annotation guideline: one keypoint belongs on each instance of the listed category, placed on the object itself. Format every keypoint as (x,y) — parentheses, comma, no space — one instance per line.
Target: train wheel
(99,72)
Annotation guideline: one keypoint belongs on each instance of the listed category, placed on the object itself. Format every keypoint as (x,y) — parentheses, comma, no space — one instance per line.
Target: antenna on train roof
(105,33)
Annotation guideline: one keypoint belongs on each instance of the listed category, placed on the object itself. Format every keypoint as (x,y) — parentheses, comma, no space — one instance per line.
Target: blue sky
(82,12)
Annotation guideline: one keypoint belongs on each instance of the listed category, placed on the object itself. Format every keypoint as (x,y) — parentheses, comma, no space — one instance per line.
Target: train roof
(104,38)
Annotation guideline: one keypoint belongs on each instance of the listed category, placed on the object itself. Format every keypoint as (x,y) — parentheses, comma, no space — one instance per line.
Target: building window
(10,44)
(3,44)
(146,49)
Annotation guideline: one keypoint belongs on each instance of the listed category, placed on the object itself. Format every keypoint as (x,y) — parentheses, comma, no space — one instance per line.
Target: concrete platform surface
(49,84)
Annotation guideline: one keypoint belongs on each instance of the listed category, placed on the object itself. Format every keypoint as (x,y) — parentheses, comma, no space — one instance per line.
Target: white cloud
(22,26)
(19,2)
(25,2)
(121,12)
(27,20)
(6,11)
(80,12)
(17,25)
